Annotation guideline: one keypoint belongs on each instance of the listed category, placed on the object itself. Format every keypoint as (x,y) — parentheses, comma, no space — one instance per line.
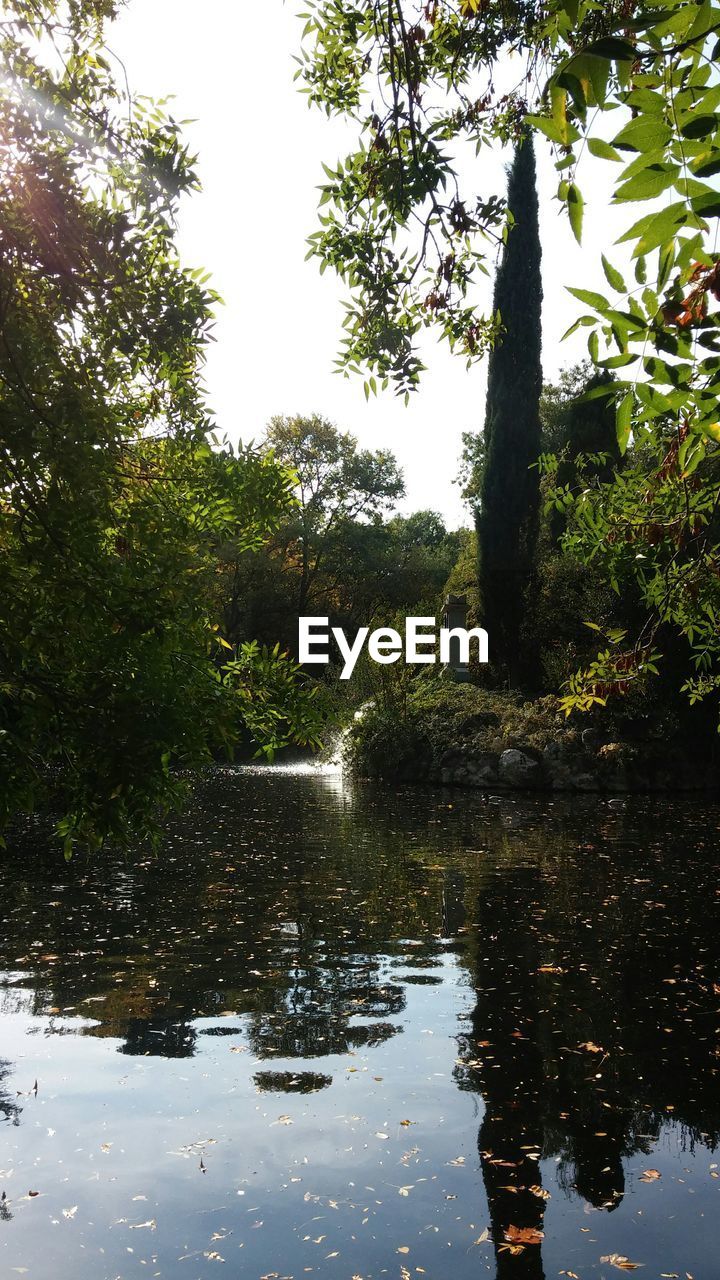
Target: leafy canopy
(112,501)
(408,222)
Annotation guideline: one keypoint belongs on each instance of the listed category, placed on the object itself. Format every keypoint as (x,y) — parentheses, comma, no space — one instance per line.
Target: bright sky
(229,65)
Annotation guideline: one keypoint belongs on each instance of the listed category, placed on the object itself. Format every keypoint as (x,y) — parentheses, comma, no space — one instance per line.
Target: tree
(406,226)
(336,484)
(578,431)
(507,515)
(112,501)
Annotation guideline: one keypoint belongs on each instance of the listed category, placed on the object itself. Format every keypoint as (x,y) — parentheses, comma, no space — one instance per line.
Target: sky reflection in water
(349,1031)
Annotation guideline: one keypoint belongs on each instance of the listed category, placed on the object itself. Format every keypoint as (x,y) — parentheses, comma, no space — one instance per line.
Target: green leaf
(611,47)
(666,262)
(604,392)
(619,362)
(707,205)
(558,107)
(707,20)
(602,150)
(594,300)
(647,184)
(570,7)
(691,454)
(648,101)
(707,164)
(645,133)
(553,130)
(698,126)
(576,207)
(612,276)
(623,421)
(657,229)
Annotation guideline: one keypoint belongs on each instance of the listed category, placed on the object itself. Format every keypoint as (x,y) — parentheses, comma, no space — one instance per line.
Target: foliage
(507,515)
(336,483)
(408,236)
(573,423)
(462,580)
(112,501)
(337,553)
(414,721)
(471,469)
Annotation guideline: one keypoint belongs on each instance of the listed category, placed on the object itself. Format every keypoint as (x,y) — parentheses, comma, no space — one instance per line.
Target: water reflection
(595,1020)
(9,1110)
(564,956)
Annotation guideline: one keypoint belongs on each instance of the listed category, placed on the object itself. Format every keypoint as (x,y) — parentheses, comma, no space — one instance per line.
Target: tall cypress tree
(507,519)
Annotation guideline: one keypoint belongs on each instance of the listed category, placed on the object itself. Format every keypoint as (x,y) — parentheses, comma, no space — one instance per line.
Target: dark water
(361,1033)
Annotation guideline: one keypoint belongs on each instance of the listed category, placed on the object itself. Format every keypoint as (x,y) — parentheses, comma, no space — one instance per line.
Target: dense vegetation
(408,226)
(341,551)
(152,577)
(113,672)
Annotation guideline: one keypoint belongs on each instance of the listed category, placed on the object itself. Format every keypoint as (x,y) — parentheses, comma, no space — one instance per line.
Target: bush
(406,738)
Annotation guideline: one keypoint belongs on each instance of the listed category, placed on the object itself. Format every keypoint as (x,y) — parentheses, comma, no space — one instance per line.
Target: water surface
(348,1032)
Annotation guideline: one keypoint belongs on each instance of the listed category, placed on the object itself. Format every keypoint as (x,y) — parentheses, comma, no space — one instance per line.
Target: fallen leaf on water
(213,1255)
(572,1275)
(70,1213)
(523,1235)
(650,1175)
(405,1123)
(138,1226)
(33,1193)
(621,1262)
(591,1047)
(403,1249)
(381,1135)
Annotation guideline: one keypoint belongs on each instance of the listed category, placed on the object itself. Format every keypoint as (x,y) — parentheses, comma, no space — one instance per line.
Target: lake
(346,1030)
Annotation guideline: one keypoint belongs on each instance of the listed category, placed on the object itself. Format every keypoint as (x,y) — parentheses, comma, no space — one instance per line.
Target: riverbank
(458,734)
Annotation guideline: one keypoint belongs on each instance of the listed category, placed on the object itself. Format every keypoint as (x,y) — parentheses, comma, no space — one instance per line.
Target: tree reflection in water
(279,909)
(9,1110)
(595,1018)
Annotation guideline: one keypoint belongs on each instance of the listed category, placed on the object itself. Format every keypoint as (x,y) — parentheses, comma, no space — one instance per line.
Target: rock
(469,769)
(483,769)
(518,769)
